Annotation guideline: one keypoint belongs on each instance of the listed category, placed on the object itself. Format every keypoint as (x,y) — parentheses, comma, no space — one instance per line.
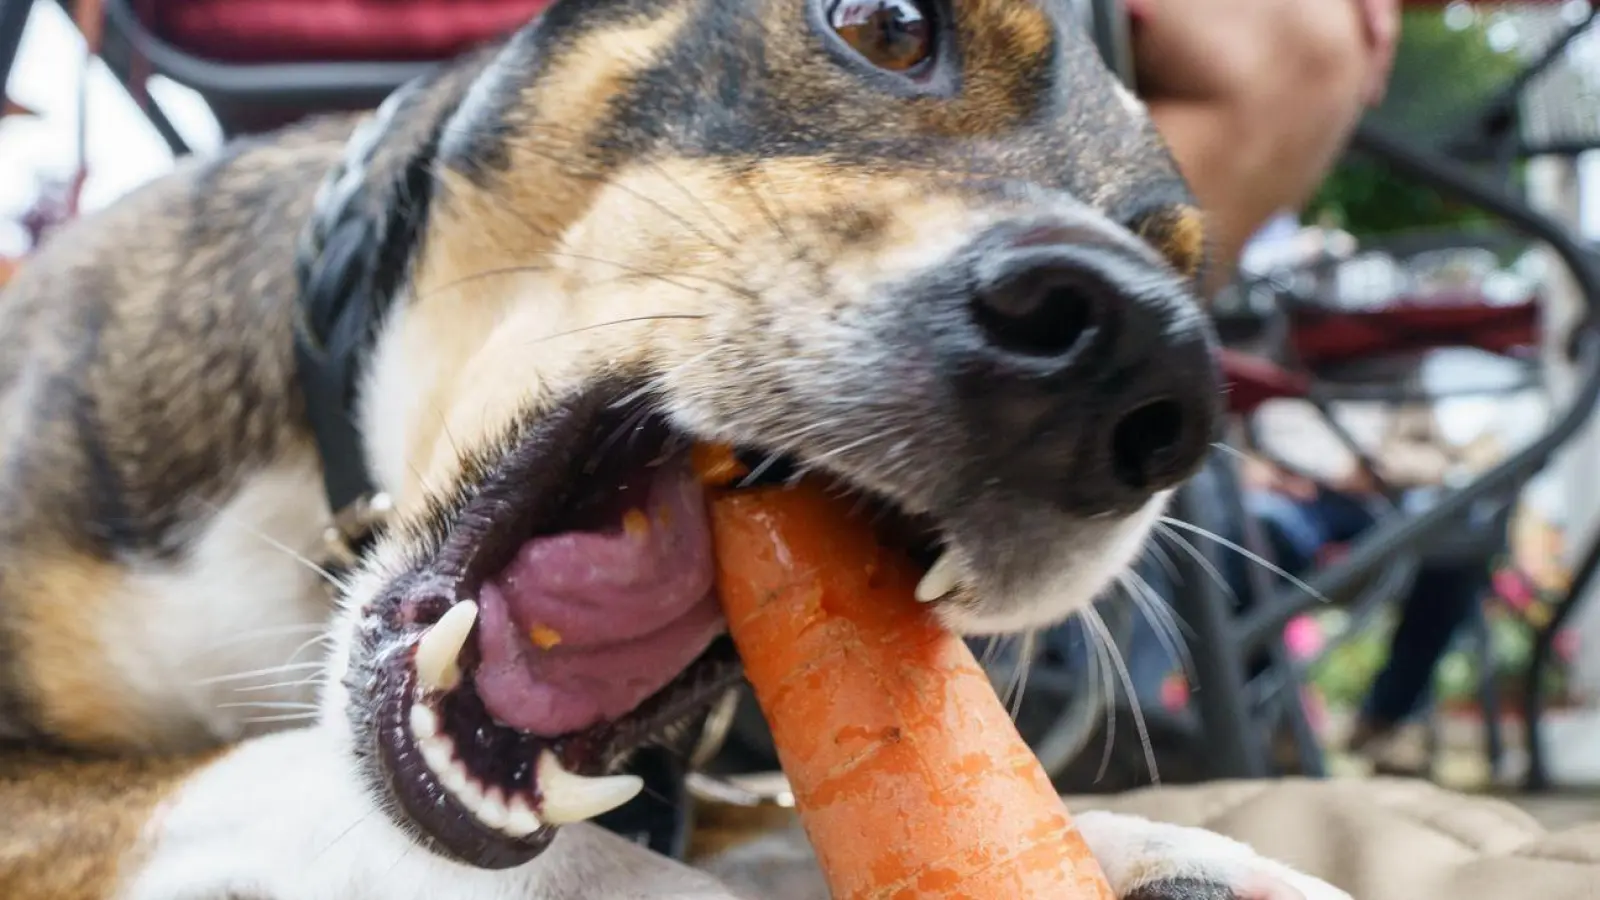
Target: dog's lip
(472,787)
(453,826)
(532,485)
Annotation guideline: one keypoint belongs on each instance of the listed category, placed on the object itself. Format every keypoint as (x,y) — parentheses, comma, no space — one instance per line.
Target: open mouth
(568,619)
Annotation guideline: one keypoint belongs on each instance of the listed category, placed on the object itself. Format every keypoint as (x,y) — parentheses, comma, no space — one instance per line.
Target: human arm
(1258,98)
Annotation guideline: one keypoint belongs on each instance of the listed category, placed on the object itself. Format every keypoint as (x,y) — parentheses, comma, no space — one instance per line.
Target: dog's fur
(705,195)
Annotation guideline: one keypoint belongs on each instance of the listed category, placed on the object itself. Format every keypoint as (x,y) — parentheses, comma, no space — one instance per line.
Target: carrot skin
(909,776)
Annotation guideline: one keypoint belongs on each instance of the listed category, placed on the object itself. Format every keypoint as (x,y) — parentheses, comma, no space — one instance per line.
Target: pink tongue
(583,626)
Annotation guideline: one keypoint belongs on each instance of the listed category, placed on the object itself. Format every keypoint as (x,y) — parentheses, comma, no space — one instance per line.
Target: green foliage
(1346,673)
(1441,77)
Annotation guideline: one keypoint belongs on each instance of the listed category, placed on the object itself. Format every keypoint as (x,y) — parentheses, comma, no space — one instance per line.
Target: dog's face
(928,249)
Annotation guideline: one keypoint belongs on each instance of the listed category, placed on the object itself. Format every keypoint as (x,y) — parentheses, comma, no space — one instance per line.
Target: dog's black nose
(1090,365)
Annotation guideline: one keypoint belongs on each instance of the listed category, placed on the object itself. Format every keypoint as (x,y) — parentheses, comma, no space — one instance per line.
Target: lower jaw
(496,758)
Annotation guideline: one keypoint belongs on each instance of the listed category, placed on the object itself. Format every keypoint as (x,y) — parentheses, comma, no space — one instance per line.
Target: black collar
(351,260)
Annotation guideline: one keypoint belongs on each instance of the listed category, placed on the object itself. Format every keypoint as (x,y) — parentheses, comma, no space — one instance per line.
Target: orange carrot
(716,465)
(910,779)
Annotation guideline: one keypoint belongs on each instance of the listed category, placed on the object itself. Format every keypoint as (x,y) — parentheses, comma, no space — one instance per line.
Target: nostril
(1046,312)
(1148,445)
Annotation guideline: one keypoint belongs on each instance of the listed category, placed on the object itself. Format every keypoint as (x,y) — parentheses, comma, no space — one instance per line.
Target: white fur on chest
(224,642)
(286,817)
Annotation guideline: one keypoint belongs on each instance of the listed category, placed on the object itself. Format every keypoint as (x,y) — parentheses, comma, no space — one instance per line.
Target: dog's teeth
(470,794)
(453,777)
(440,646)
(520,821)
(506,812)
(572,798)
(437,753)
(424,724)
(940,580)
(492,811)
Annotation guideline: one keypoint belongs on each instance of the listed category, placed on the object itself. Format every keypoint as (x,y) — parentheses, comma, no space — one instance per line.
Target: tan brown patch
(549,178)
(1004,42)
(629,286)
(72,826)
(57,608)
(489,245)
(1179,235)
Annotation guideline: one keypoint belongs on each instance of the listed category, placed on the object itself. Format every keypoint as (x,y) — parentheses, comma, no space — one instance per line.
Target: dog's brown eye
(891,34)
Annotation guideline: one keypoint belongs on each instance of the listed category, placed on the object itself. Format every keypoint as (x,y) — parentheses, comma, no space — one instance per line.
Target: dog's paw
(1147,860)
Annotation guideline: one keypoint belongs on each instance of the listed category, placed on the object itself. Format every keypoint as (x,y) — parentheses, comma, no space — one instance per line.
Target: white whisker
(1161,618)
(268,704)
(287,717)
(223,515)
(265,633)
(1162,558)
(846,448)
(257,673)
(303,682)
(1103,681)
(1253,557)
(326,637)
(1229,449)
(1026,648)
(1099,626)
(991,647)
(1194,553)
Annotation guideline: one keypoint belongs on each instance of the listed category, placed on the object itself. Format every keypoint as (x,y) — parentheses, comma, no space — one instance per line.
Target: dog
(460,349)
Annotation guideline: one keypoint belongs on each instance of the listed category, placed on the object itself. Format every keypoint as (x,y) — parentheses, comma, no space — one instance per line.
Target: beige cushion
(1386,839)
(1376,839)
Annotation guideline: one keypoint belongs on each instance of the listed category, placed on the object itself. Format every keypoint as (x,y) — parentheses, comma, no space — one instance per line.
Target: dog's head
(929,249)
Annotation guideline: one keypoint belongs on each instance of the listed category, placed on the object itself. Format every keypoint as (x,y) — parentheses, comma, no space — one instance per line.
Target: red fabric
(1253,381)
(260,31)
(1322,337)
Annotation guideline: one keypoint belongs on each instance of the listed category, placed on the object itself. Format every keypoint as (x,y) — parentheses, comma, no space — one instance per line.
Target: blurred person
(1258,98)
(1303,520)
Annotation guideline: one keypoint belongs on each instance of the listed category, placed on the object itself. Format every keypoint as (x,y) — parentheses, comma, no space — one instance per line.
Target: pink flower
(1303,636)
(1513,590)
(1175,692)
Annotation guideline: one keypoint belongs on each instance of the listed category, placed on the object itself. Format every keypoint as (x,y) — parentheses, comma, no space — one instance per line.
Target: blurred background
(1428,312)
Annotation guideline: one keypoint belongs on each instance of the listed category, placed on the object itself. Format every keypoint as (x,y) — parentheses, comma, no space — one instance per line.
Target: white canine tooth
(521,821)
(572,798)
(941,579)
(440,645)
(492,811)
(424,724)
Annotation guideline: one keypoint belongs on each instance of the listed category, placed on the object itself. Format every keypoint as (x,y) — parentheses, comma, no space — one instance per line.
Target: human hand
(1196,48)
(1359,482)
(1257,98)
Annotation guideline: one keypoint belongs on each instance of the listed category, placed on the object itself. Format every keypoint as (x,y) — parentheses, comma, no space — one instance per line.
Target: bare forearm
(1257,101)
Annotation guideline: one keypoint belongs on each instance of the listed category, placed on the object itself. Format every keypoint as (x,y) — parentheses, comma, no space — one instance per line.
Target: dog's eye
(896,35)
